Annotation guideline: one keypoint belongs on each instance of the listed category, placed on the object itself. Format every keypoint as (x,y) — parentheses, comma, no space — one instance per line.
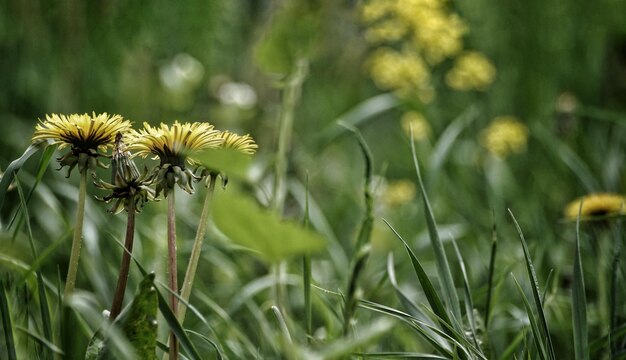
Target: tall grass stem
(171,263)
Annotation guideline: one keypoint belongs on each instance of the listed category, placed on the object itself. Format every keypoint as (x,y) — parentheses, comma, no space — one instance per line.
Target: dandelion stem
(77,239)
(120,289)
(171,257)
(196,250)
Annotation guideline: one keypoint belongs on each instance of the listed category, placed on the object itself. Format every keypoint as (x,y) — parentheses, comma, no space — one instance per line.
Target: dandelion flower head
(242,143)
(597,204)
(174,144)
(84,133)
(504,136)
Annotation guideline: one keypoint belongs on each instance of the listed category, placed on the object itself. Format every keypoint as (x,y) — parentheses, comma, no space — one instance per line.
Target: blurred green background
(560,70)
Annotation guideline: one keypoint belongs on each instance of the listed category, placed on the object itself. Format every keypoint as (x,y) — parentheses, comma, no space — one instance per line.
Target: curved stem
(77,239)
(122,279)
(190,274)
(171,263)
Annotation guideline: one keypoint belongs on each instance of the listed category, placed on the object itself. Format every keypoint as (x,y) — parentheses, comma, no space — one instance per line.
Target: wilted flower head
(598,204)
(85,134)
(505,135)
(128,186)
(174,146)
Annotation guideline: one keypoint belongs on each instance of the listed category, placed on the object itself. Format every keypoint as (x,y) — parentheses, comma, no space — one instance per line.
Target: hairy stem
(77,239)
(196,250)
(120,289)
(171,263)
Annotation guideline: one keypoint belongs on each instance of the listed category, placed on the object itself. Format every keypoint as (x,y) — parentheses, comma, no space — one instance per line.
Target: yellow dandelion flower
(84,133)
(416,122)
(242,143)
(504,136)
(377,9)
(398,192)
(597,204)
(437,34)
(174,146)
(471,70)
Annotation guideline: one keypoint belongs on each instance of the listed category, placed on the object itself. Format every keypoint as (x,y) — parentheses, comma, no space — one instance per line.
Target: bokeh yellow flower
(400,71)
(416,122)
(597,204)
(504,136)
(174,146)
(398,192)
(85,134)
(471,71)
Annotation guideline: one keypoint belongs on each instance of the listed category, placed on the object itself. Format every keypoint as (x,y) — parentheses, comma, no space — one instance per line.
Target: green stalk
(291,95)
(122,279)
(77,240)
(306,274)
(196,250)
(171,263)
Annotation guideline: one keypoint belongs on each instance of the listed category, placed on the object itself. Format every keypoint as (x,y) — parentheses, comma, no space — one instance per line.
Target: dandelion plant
(173,146)
(88,136)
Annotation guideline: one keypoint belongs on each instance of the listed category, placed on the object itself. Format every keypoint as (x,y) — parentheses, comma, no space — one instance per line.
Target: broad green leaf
(140,326)
(247,224)
(229,162)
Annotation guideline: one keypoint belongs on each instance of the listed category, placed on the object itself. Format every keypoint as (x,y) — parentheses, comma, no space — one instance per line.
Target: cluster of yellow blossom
(504,136)
(416,123)
(471,70)
(429,33)
(401,71)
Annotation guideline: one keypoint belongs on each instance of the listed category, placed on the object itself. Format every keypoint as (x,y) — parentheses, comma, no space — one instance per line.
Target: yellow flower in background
(174,146)
(242,143)
(400,71)
(597,204)
(398,192)
(375,10)
(471,70)
(85,134)
(504,136)
(387,30)
(416,122)
(438,35)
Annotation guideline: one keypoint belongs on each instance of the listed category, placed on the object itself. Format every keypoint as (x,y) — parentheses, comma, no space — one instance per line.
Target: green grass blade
(446,141)
(12,170)
(41,170)
(343,347)
(537,334)
(469,303)
(7,324)
(579,302)
(400,355)
(41,340)
(492,270)
(218,353)
(429,290)
(615,286)
(509,352)
(535,290)
(443,267)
